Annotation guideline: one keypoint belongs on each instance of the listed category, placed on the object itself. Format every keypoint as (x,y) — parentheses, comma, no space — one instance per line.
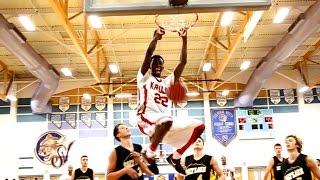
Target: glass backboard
(152,7)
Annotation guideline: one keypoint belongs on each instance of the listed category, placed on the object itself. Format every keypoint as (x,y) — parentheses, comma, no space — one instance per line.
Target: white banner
(288,95)
(101,118)
(318,93)
(85,104)
(56,120)
(86,119)
(71,119)
(275,96)
(308,96)
(64,103)
(221,100)
(100,102)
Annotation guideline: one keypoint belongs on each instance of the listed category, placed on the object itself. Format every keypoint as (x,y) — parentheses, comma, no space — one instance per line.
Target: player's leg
(156,127)
(182,135)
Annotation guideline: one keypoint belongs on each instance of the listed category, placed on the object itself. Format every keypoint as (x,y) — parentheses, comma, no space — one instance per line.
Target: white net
(176,22)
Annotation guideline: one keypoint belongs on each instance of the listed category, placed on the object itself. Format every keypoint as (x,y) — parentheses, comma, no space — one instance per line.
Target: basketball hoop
(176,22)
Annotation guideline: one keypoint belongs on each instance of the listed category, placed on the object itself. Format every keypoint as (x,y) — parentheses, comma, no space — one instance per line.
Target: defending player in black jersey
(274,166)
(199,165)
(125,161)
(298,166)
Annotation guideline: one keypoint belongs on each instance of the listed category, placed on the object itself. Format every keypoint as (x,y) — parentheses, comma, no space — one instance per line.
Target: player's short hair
(84,156)
(116,130)
(201,140)
(156,58)
(277,144)
(298,142)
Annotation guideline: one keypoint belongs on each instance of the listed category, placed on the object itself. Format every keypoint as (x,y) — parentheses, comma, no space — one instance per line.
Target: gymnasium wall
(20,131)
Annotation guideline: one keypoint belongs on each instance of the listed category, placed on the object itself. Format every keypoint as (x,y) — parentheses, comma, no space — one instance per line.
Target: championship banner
(56,120)
(318,93)
(274,96)
(101,118)
(221,100)
(52,149)
(288,95)
(86,119)
(223,125)
(133,102)
(100,102)
(308,96)
(64,103)
(85,104)
(71,119)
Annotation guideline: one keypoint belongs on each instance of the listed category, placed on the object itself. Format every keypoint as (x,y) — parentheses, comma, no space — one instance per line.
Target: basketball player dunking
(154,109)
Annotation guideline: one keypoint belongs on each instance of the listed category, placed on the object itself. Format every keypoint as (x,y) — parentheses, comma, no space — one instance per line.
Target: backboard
(152,7)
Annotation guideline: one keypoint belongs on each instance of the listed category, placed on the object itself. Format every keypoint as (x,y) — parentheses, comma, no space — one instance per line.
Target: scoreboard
(255,124)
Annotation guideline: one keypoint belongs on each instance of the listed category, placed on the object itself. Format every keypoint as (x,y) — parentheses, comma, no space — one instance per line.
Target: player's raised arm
(152,46)
(183,55)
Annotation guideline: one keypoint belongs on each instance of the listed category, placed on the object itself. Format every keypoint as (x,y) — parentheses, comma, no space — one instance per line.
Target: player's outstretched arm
(183,55)
(313,167)
(215,167)
(142,164)
(268,169)
(152,46)
(112,174)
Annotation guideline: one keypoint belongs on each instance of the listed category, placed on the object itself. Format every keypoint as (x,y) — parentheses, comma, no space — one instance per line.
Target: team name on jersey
(294,174)
(195,170)
(157,87)
(129,163)
(278,168)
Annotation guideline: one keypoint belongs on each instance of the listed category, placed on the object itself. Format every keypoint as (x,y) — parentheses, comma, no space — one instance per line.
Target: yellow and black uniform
(198,169)
(277,173)
(124,159)
(79,175)
(298,170)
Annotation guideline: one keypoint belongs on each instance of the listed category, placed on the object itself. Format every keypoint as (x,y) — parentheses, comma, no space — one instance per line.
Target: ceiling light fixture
(225,92)
(251,25)
(123,95)
(281,14)
(95,21)
(66,72)
(304,89)
(226,18)
(11,97)
(86,96)
(192,94)
(27,23)
(114,68)
(245,65)
(206,67)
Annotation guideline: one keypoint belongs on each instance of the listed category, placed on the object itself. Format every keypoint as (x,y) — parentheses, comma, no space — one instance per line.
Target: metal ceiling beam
(302,65)
(102,55)
(232,48)
(315,50)
(213,36)
(68,27)
(7,80)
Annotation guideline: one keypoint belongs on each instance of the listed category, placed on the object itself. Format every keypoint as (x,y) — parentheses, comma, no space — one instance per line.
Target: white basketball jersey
(152,97)
(227,172)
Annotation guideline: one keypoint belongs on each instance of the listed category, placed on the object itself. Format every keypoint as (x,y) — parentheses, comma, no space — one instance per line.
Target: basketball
(177,92)
(178,2)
